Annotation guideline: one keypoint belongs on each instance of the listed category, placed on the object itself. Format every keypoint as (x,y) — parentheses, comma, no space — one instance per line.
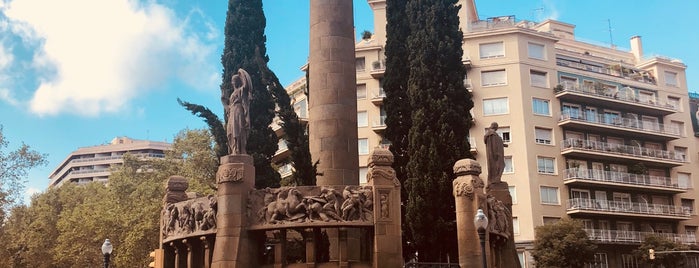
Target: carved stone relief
(230,173)
(187,217)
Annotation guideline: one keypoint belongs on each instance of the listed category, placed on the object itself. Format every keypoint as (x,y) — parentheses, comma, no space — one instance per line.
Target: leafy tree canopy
(660,244)
(562,244)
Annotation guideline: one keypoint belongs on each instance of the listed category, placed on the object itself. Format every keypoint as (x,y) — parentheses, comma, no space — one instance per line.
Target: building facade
(94,163)
(595,133)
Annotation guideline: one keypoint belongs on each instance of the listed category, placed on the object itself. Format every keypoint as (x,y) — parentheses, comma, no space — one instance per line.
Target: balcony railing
(636,75)
(113,157)
(281,146)
(619,149)
(627,123)
(625,94)
(623,178)
(634,237)
(627,207)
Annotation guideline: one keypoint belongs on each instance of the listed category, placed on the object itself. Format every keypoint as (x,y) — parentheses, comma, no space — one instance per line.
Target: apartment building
(88,164)
(595,133)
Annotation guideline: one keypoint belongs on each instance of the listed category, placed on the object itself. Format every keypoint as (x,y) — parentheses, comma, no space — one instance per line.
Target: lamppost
(481,223)
(106,251)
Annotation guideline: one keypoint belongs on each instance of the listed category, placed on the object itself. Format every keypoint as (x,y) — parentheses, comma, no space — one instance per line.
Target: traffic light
(651,254)
(157,256)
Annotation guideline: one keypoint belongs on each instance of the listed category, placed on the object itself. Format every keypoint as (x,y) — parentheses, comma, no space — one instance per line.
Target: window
(683,180)
(513,193)
(543,135)
(538,79)
(671,79)
(495,106)
(600,261)
(522,260)
(677,127)
(551,220)
(549,195)
(492,50)
(493,78)
(546,165)
(541,106)
(361,91)
(681,154)
(301,108)
(363,145)
(508,165)
(673,102)
(504,133)
(359,63)
(688,206)
(362,174)
(362,119)
(536,51)
(628,261)
(515,225)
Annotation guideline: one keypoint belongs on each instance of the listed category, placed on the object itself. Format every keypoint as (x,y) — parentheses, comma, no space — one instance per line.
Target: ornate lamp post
(106,251)
(481,223)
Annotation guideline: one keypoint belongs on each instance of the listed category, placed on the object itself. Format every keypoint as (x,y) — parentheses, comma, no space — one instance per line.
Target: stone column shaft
(333,92)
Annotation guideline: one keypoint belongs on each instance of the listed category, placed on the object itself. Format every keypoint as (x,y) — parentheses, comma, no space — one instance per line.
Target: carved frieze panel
(189,218)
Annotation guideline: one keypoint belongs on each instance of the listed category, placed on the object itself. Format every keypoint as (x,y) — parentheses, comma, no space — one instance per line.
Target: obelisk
(332,97)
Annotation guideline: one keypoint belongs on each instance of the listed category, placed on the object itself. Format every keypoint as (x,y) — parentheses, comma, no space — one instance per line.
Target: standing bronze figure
(495,153)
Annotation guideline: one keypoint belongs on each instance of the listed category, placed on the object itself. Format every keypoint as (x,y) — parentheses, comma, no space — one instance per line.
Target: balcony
(619,126)
(625,99)
(282,151)
(379,125)
(628,209)
(472,143)
(610,151)
(285,170)
(468,85)
(377,69)
(633,237)
(377,96)
(593,177)
(611,70)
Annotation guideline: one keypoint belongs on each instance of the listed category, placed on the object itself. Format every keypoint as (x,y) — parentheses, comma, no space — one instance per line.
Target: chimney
(637,48)
(467,14)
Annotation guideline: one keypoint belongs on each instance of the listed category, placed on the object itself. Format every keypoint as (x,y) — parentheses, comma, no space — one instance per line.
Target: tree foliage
(215,125)
(14,169)
(65,226)
(562,244)
(659,244)
(437,138)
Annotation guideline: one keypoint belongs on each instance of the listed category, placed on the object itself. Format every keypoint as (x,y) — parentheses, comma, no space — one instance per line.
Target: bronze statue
(237,108)
(495,153)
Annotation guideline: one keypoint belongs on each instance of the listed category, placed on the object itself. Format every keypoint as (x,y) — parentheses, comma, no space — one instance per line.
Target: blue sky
(78,73)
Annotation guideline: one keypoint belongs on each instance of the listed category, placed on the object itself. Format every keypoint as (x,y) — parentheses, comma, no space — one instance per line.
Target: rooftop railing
(635,75)
(627,123)
(619,149)
(627,207)
(623,178)
(626,94)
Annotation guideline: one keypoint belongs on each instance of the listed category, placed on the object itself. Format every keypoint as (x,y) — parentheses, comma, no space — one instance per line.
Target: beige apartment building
(594,133)
(94,163)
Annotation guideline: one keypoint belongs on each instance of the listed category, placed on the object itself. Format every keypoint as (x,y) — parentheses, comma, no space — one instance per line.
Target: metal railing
(634,237)
(621,177)
(627,207)
(619,149)
(626,94)
(380,122)
(628,123)
(642,76)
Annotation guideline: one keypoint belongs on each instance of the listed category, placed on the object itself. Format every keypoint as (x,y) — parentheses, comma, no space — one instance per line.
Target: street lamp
(106,251)
(481,223)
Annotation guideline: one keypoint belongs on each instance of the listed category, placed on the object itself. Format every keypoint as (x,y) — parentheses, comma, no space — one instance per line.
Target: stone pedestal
(388,251)
(333,92)
(235,178)
(504,253)
(469,197)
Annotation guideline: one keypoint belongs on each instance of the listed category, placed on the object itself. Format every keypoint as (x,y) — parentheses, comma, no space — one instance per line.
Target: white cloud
(29,193)
(95,56)
(550,11)
(5,95)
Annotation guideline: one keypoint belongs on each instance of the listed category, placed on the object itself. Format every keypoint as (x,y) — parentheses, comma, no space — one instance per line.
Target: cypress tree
(245,48)
(440,115)
(395,85)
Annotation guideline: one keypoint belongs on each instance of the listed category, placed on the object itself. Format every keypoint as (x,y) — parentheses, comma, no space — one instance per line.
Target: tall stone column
(233,247)
(333,92)
(469,197)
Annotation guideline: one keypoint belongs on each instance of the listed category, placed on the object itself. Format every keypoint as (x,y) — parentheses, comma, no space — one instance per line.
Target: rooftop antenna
(536,13)
(609,27)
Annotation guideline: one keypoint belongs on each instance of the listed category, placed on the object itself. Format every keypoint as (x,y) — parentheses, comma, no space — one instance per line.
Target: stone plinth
(469,197)
(333,93)
(388,251)
(235,178)
(504,251)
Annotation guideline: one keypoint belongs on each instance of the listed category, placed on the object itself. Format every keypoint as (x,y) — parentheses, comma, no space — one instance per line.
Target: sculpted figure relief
(495,153)
(237,109)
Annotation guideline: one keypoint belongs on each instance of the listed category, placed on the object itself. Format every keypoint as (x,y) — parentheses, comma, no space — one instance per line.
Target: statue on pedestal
(495,153)
(237,109)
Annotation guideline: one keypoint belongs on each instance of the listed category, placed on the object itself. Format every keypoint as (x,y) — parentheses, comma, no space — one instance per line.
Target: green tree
(437,138)
(660,244)
(14,168)
(562,244)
